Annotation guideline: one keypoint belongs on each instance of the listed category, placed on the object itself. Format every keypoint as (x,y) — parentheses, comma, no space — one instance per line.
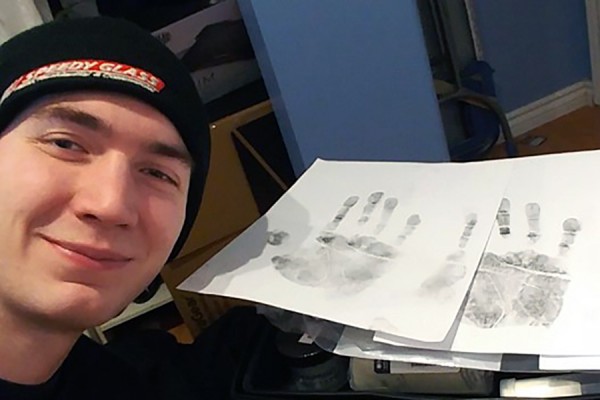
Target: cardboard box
(228,204)
(197,310)
(214,45)
(227,209)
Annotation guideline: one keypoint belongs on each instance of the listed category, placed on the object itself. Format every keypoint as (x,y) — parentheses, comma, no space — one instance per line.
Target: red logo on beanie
(87,68)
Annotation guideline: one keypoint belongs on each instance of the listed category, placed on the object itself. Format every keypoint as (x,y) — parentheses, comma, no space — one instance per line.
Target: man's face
(93,190)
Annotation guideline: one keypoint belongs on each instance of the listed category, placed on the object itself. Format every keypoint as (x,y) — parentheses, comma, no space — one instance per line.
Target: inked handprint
(341,214)
(388,209)
(570,228)
(348,262)
(411,224)
(503,217)
(532,210)
(440,284)
(277,237)
(372,201)
(522,288)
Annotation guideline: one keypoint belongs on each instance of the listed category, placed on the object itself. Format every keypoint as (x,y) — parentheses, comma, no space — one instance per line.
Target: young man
(104,149)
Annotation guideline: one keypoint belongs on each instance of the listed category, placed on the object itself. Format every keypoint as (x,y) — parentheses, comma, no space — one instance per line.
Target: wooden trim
(550,107)
(593,23)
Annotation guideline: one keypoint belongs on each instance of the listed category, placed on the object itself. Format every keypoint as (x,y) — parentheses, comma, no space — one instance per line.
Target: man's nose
(106,192)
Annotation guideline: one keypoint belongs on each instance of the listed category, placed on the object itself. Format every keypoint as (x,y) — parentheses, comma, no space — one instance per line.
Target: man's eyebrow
(167,150)
(75,116)
(87,120)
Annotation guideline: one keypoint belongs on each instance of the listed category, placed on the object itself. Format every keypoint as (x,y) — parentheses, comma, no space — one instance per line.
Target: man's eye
(66,144)
(155,173)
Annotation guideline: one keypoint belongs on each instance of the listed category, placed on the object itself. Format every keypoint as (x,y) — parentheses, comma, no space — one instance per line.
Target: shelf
(162,297)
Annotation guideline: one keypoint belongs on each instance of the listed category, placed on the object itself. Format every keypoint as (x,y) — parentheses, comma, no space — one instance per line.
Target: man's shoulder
(153,365)
(93,370)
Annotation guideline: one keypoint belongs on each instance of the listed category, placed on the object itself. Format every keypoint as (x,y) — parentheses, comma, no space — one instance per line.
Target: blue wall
(535,46)
(349,79)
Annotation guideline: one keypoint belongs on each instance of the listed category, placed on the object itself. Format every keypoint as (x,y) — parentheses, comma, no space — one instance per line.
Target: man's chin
(82,310)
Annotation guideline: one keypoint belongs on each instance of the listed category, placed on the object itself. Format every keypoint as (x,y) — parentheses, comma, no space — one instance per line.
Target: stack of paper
(450,264)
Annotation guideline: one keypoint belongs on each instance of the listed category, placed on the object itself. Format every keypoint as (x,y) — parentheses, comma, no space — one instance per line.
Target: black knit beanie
(112,55)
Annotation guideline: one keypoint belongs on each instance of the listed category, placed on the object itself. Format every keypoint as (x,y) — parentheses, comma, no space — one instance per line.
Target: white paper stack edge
(551,386)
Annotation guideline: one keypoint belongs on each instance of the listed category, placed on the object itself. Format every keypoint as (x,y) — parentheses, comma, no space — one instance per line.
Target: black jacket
(149,365)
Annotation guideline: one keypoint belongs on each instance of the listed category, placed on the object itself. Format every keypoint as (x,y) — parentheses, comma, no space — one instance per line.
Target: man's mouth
(90,255)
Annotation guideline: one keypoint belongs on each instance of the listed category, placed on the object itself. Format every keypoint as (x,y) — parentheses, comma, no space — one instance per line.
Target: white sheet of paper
(381,246)
(538,292)
(570,363)
(359,343)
